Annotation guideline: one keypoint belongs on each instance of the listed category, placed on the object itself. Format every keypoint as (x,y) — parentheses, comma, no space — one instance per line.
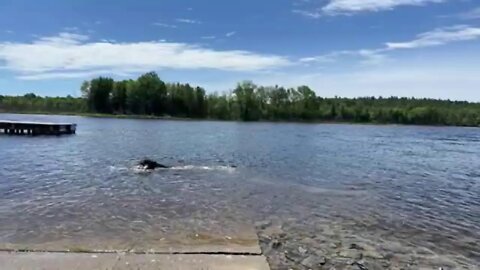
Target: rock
(302,250)
(276,244)
(264,239)
(263,224)
(320,253)
(309,262)
(276,231)
(424,251)
(355,246)
(372,254)
(370,265)
(295,256)
(334,245)
(351,254)
(360,266)
(313,262)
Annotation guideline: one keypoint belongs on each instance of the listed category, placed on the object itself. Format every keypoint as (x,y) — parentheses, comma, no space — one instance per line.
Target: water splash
(229,169)
(205,168)
(113,168)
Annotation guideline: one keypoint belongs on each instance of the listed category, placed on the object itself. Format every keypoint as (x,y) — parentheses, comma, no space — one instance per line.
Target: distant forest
(149,95)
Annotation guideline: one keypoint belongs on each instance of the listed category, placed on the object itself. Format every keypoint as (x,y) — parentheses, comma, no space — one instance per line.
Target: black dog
(148,164)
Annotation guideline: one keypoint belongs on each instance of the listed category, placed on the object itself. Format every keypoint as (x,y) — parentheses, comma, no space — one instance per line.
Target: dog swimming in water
(150,165)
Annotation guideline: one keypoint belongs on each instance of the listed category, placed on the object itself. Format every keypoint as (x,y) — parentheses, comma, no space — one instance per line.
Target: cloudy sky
(421,48)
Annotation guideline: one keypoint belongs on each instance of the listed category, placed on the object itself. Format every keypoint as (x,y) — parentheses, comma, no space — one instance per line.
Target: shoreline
(174,118)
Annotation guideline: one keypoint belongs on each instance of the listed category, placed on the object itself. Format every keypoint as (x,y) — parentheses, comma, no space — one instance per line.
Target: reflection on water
(382,182)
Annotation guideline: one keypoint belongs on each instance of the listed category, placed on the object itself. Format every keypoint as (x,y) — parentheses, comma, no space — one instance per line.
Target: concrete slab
(126,261)
(198,243)
(238,240)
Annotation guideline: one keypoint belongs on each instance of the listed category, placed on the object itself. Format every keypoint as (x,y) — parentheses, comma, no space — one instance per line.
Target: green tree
(200,110)
(248,102)
(99,94)
(152,92)
(85,89)
(119,97)
(245,97)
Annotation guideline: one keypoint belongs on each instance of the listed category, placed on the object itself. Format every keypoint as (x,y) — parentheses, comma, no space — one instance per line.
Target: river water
(409,195)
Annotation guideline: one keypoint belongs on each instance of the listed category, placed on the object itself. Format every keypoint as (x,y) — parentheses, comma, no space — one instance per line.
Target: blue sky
(421,48)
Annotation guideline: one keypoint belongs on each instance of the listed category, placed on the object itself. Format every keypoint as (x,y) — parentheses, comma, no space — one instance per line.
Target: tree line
(149,95)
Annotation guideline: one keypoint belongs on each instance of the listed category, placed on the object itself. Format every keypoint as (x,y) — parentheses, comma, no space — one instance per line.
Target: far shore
(171,118)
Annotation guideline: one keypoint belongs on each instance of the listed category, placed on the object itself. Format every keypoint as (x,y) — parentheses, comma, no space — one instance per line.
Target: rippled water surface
(419,185)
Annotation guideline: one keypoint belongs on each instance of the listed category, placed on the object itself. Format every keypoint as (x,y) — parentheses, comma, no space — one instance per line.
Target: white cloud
(470,15)
(71,29)
(9,31)
(353,6)
(63,38)
(67,54)
(208,37)
(230,34)
(315,14)
(189,21)
(367,57)
(439,36)
(69,75)
(165,25)
(105,40)
(372,57)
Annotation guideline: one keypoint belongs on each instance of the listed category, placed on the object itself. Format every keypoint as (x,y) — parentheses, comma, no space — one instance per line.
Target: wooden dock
(36,128)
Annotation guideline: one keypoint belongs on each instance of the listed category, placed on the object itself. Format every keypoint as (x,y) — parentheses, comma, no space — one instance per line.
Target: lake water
(410,194)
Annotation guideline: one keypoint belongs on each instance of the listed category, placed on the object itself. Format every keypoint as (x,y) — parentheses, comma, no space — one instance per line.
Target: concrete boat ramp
(125,261)
(205,255)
